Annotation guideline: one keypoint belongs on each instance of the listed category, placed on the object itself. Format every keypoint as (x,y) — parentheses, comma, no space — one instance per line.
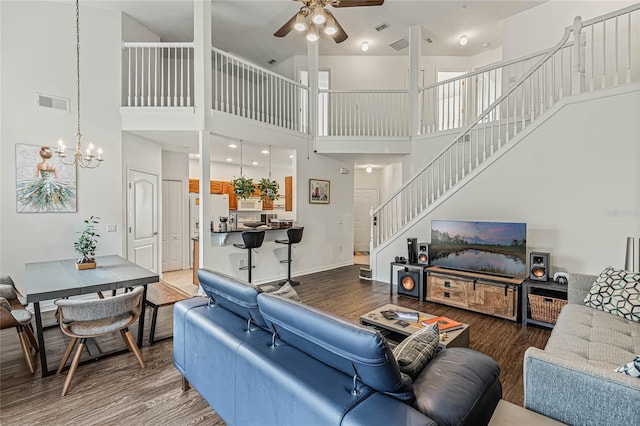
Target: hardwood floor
(116,391)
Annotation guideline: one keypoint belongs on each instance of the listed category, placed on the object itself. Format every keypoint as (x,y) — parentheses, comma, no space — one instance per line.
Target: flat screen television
(497,248)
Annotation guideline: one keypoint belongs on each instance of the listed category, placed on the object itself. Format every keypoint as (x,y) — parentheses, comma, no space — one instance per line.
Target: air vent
(382,26)
(272,61)
(50,101)
(429,40)
(400,44)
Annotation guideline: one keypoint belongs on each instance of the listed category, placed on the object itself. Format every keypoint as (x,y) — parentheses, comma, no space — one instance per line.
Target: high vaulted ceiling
(246,27)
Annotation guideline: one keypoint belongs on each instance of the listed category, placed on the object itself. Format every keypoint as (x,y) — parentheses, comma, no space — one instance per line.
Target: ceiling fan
(313,16)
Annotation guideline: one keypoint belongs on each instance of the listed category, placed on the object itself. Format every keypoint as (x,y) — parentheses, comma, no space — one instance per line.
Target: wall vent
(55,102)
(400,44)
(382,26)
(272,61)
(429,40)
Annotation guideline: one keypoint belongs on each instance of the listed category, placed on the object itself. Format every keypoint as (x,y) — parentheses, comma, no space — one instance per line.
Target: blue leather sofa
(260,359)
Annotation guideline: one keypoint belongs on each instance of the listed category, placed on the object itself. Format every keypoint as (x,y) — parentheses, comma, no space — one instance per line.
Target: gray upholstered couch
(573,379)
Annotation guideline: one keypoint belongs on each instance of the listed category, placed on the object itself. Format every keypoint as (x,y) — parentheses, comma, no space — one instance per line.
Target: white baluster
(148,77)
(135,97)
(155,77)
(129,78)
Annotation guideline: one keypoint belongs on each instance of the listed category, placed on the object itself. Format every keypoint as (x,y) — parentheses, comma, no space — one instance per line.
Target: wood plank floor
(116,391)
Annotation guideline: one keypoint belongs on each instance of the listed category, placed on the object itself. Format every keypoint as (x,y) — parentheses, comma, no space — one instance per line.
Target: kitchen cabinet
(267,204)
(194,185)
(217,187)
(288,193)
(227,188)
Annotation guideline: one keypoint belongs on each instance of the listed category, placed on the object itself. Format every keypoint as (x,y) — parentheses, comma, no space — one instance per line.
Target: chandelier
(89,159)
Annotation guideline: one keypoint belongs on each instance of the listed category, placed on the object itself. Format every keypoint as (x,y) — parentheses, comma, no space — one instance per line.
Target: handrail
(363,91)
(613,14)
(489,110)
(262,70)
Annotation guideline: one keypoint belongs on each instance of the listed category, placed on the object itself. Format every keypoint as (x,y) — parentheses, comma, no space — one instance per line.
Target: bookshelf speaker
(423,254)
(539,266)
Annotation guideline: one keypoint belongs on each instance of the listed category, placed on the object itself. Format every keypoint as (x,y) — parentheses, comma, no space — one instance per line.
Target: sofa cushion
(414,352)
(631,368)
(348,347)
(232,294)
(287,291)
(460,386)
(617,292)
(594,337)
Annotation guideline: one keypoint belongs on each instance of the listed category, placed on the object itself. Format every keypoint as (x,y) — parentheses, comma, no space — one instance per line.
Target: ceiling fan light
(330,26)
(301,22)
(318,16)
(312,33)
(464,40)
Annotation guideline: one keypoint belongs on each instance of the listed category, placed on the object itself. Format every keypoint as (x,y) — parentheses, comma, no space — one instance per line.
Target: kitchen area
(231,214)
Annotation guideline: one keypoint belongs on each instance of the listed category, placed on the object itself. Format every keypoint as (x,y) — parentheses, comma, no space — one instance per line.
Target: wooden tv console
(488,294)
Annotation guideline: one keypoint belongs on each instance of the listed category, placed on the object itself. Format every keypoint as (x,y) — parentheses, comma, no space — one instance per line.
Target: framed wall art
(319,191)
(43,183)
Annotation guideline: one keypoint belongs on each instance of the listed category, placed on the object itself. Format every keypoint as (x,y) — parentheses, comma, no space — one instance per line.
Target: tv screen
(498,248)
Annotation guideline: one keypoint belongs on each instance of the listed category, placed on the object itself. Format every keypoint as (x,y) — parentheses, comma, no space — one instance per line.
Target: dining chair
(14,315)
(84,319)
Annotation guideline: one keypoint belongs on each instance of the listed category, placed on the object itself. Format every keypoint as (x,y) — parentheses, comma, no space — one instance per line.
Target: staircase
(602,53)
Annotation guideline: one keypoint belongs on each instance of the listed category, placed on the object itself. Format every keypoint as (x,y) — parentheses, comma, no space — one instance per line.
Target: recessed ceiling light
(254,162)
(365,46)
(291,156)
(485,44)
(265,151)
(229,159)
(369,169)
(198,155)
(233,145)
(464,40)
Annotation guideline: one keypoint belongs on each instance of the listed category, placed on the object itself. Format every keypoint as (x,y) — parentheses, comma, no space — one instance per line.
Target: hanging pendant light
(89,159)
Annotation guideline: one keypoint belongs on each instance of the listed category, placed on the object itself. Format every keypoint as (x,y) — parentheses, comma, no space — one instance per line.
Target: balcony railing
(157,74)
(246,90)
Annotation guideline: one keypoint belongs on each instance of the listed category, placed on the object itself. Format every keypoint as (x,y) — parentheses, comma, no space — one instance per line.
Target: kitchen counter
(246,228)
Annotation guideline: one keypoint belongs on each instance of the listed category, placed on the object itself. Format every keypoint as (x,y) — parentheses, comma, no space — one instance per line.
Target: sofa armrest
(380,409)
(574,392)
(578,287)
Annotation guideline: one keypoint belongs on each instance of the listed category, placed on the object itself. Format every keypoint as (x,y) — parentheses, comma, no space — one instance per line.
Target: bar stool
(294,237)
(252,239)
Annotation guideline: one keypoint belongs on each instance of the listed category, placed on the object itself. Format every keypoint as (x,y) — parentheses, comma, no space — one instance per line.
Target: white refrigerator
(219,207)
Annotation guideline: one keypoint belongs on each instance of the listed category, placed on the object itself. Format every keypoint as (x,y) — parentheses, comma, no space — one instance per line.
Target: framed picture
(319,191)
(43,183)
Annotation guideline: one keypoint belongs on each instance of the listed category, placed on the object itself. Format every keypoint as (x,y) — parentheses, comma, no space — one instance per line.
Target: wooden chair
(83,319)
(13,315)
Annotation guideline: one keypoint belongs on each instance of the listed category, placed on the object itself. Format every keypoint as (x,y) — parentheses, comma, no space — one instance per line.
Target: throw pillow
(286,291)
(415,352)
(631,368)
(616,291)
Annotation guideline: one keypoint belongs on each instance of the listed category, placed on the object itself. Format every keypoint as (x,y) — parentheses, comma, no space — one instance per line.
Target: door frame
(158,217)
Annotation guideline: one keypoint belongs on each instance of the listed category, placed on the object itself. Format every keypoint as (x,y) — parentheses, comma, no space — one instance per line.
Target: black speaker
(412,246)
(411,282)
(423,254)
(539,266)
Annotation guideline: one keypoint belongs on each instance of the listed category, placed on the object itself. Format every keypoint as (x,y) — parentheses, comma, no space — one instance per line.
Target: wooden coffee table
(395,333)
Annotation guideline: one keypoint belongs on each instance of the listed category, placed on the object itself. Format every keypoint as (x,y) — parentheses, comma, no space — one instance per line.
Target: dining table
(59,278)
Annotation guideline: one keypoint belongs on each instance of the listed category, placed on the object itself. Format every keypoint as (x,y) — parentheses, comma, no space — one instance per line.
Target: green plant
(268,189)
(88,241)
(243,187)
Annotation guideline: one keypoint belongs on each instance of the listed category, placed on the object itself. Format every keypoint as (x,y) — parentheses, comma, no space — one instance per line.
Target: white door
(364,200)
(142,217)
(172,238)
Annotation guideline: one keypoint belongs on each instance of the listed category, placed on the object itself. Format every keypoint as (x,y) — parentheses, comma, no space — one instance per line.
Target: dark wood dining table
(60,278)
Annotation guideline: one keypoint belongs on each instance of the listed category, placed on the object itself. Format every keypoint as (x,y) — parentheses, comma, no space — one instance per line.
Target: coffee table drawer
(448,290)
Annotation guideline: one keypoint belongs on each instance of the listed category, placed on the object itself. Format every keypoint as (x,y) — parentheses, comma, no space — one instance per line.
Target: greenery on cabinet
(243,187)
(88,241)
(268,189)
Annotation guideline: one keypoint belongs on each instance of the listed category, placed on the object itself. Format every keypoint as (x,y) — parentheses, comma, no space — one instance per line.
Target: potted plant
(87,244)
(268,189)
(243,187)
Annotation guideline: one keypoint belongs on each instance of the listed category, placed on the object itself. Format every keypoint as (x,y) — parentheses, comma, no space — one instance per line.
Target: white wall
(133,30)
(38,55)
(391,180)
(542,27)
(364,180)
(486,58)
(574,181)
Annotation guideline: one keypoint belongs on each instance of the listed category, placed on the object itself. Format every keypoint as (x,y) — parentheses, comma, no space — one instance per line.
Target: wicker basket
(545,305)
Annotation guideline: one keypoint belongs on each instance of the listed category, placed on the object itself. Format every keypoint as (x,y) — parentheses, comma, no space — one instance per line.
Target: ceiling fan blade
(341,34)
(355,3)
(287,27)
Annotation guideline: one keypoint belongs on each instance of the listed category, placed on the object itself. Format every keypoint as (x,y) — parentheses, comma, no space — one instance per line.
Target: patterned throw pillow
(618,292)
(631,368)
(415,352)
(286,291)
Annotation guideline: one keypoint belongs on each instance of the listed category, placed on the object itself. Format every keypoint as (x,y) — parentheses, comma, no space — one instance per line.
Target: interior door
(364,200)
(172,238)
(142,217)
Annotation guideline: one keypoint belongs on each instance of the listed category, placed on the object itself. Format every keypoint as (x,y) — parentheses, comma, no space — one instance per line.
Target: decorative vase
(81,266)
